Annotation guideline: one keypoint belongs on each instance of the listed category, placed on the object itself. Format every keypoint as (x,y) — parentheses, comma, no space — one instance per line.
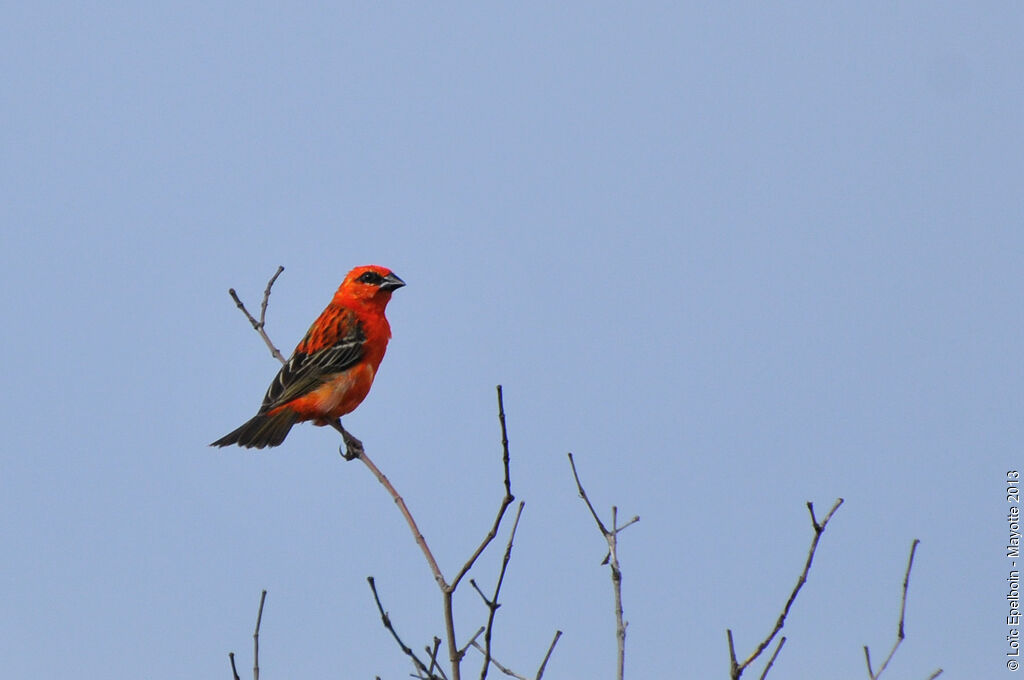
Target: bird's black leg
(353,447)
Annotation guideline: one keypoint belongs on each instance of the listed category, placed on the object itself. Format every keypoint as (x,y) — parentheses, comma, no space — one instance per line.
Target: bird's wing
(310,366)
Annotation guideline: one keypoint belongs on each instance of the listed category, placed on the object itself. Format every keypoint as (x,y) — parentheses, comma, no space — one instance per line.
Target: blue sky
(734,257)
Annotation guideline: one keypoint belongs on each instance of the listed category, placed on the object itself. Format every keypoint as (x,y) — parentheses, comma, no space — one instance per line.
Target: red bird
(331,370)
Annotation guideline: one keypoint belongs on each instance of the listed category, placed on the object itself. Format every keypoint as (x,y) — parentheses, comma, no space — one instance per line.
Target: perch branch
(404,509)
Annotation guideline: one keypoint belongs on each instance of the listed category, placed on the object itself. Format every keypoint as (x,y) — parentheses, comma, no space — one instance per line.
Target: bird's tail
(261,430)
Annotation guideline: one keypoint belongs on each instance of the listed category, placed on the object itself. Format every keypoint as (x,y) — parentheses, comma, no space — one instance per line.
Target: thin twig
(583,495)
(234,671)
(266,295)
(448,590)
(736,669)
(505,502)
(420,666)
(551,648)
(768,666)
(433,657)
(492,604)
(478,633)
(508,671)
(497,664)
(612,559)
(259,326)
(256,639)
(899,629)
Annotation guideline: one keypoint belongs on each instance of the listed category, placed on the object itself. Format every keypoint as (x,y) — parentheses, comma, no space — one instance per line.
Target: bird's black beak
(391,282)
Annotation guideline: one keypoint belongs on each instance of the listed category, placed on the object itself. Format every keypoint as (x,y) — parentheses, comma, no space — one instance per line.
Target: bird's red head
(369,284)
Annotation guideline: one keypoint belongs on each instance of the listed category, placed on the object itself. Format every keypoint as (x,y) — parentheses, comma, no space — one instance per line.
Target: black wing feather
(303,373)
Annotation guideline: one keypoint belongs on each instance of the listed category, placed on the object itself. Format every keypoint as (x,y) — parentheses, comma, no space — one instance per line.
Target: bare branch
(256,637)
(255,643)
(266,295)
(498,665)
(512,674)
(583,495)
(551,648)
(478,633)
(505,502)
(492,604)
(259,326)
(454,654)
(906,584)
(613,560)
(420,666)
(768,666)
(433,657)
(899,629)
(633,520)
(735,668)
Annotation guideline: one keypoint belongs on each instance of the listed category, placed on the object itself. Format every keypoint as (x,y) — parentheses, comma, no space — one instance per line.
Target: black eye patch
(372,278)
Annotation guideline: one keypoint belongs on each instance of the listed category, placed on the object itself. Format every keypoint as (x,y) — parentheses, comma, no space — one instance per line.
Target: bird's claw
(353,448)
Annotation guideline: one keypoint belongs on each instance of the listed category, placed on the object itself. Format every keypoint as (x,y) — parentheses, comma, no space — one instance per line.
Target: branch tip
(819,528)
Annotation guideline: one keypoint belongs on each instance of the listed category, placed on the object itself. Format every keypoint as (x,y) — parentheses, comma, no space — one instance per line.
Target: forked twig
(455,654)
(612,559)
(899,631)
(735,668)
(259,326)
(448,590)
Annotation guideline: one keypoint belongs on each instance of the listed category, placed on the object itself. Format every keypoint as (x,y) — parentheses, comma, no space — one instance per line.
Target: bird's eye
(372,278)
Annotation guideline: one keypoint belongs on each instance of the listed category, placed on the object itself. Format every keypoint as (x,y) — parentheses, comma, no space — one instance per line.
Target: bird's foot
(353,448)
